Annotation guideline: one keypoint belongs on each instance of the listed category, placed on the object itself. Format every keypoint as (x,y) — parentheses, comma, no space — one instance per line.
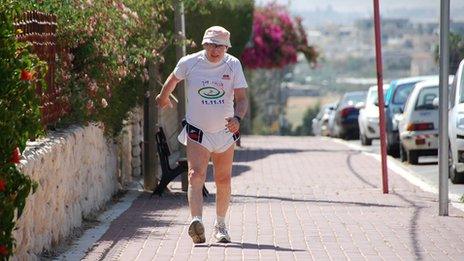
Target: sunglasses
(215,46)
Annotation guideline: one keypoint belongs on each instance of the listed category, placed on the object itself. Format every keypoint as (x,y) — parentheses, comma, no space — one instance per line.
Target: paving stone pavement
(294,198)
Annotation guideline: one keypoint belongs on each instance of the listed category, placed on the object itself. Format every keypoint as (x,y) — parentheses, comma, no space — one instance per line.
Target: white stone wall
(136,125)
(130,143)
(78,171)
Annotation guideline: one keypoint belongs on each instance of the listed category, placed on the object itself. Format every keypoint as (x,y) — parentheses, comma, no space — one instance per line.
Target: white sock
(196,218)
(220,220)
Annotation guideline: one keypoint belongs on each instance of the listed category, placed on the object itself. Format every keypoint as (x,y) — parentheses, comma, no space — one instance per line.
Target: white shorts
(214,142)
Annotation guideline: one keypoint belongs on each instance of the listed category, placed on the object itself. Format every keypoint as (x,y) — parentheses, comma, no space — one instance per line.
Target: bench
(168,173)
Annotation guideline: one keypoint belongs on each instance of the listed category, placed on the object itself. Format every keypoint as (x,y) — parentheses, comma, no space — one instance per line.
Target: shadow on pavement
(413,224)
(248,155)
(267,198)
(349,163)
(237,170)
(251,246)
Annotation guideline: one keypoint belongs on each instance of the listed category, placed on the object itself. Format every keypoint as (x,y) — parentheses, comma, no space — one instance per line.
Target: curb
(411,176)
(81,246)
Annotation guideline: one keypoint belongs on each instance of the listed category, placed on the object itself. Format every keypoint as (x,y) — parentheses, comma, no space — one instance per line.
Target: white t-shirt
(210,89)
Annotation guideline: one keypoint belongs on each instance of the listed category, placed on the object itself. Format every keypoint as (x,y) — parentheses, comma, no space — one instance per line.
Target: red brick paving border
(294,199)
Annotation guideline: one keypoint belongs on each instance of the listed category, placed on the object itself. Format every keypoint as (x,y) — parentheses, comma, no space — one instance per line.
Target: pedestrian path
(294,198)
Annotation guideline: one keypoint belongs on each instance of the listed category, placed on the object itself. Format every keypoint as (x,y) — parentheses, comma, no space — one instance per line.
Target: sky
(361,5)
(364,7)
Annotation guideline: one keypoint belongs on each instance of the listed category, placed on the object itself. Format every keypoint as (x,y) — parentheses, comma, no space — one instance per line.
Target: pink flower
(276,39)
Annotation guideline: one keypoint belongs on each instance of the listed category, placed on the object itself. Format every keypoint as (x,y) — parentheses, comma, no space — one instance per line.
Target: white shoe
(197,232)
(221,234)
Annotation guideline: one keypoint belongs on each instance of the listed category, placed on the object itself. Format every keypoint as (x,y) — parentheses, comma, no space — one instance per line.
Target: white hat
(217,35)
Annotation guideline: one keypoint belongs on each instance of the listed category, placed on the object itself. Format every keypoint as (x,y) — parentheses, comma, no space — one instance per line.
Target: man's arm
(241,106)
(162,99)
(241,102)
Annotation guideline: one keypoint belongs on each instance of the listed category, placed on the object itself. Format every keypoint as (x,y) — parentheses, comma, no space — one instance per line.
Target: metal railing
(39,29)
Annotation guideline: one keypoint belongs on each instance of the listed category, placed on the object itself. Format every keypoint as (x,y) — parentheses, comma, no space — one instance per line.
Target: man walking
(214,84)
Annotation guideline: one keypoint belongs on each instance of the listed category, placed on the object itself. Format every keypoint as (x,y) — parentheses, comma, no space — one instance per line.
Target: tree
(456,54)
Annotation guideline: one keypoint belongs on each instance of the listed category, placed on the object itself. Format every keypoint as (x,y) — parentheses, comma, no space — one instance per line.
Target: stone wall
(78,171)
(130,148)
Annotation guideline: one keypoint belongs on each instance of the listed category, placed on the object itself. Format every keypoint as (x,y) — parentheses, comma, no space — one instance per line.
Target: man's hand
(232,124)
(163,102)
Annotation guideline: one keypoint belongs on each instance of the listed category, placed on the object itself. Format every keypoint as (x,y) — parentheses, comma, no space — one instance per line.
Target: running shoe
(197,232)
(221,234)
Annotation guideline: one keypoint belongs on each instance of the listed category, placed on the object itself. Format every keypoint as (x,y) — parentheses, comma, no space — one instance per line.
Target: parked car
(418,124)
(368,119)
(331,120)
(320,124)
(395,98)
(456,127)
(346,115)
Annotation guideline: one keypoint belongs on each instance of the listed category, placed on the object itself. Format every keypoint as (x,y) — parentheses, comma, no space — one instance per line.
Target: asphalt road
(425,174)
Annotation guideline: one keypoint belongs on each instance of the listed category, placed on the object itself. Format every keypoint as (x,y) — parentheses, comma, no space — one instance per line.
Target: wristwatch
(238,118)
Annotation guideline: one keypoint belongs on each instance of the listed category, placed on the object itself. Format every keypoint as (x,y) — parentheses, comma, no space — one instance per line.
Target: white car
(320,123)
(456,127)
(368,118)
(418,124)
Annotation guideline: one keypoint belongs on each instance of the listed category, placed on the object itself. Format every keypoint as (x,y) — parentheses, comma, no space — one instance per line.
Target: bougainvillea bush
(20,72)
(276,39)
(103,48)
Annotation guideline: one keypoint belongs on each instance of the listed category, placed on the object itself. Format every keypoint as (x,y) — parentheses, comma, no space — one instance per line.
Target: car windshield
(352,98)
(402,92)
(425,98)
(372,96)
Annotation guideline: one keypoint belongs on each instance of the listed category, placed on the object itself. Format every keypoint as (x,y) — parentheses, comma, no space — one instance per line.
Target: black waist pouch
(193,132)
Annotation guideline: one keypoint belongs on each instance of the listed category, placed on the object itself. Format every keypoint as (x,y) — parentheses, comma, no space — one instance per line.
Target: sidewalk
(294,199)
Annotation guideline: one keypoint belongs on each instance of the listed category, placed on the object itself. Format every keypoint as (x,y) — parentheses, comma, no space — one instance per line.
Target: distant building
(297,89)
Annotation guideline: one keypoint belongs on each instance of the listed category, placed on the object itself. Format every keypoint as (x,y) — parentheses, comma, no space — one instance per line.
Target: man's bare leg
(197,158)
(222,176)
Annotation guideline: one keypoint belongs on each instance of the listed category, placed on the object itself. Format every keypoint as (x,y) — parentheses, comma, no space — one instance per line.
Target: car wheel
(403,154)
(395,151)
(455,176)
(365,140)
(413,157)
(362,137)
(342,135)
(368,141)
(392,150)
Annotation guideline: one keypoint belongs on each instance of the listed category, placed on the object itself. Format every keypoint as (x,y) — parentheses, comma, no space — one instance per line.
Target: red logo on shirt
(225,77)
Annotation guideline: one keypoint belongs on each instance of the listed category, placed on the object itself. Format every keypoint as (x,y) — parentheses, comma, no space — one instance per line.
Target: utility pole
(378,56)
(443,108)
(179,29)
(150,119)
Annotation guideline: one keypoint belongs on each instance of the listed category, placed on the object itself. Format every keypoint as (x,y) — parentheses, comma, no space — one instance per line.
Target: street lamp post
(443,108)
